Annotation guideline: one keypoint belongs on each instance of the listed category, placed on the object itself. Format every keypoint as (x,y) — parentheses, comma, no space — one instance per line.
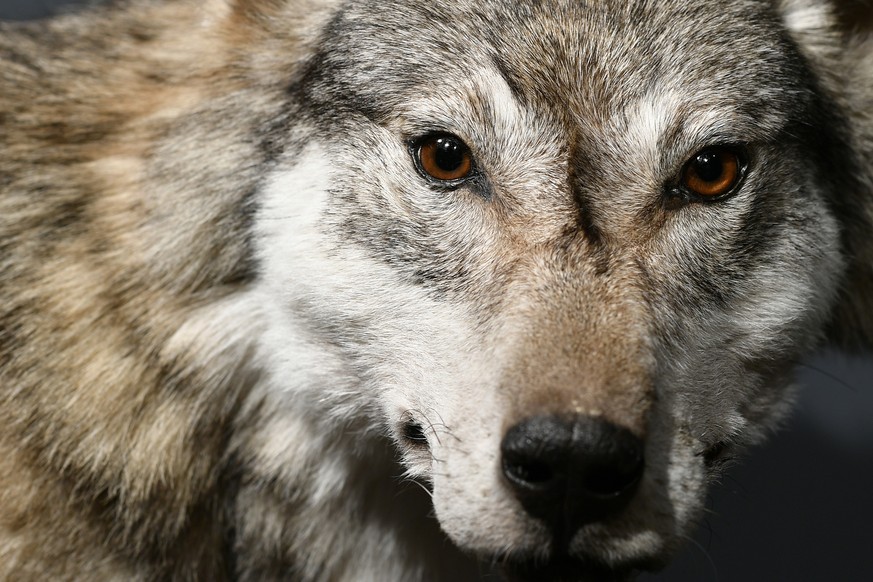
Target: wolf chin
(303,290)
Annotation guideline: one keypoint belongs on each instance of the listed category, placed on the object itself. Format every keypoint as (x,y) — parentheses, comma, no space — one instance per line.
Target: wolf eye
(444,157)
(713,172)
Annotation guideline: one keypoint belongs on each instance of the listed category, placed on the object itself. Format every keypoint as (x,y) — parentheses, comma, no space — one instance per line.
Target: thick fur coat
(246,334)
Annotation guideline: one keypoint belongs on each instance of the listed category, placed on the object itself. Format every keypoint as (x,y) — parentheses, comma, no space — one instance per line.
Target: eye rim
(740,157)
(446,180)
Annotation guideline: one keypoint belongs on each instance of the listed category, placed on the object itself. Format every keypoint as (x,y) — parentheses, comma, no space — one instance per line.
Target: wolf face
(552,261)
(560,275)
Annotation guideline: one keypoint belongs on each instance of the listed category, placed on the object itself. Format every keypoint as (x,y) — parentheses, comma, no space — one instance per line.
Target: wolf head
(566,254)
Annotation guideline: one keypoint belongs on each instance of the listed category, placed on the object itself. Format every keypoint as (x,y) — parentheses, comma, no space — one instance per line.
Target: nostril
(530,473)
(534,457)
(611,480)
(608,459)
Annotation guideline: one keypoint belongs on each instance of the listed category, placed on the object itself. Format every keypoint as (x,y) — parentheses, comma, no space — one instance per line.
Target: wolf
(391,290)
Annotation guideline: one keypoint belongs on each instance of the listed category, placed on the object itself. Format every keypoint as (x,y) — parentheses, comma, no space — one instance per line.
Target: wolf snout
(571,471)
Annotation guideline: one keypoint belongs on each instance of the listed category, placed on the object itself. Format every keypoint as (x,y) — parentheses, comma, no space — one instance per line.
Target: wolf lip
(562,569)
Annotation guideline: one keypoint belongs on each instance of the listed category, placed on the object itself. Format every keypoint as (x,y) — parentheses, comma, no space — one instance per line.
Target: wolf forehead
(582,62)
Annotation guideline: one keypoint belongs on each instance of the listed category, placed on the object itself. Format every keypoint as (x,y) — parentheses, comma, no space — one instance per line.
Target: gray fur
(227,292)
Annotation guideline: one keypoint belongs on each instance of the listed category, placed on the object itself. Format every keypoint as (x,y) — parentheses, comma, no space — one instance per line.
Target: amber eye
(444,157)
(713,172)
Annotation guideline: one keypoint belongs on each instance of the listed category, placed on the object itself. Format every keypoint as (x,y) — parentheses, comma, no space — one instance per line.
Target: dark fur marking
(515,86)
(69,214)
(578,172)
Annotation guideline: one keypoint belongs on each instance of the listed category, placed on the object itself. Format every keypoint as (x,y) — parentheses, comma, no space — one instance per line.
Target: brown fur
(139,445)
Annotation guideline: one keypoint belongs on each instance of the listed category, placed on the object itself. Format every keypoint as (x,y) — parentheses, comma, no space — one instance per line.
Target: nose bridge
(581,342)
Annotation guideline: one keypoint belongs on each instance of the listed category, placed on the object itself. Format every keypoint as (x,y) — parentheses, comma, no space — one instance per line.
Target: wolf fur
(243,338)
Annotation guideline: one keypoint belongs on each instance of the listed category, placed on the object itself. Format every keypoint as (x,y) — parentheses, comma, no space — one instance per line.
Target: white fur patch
(806,16)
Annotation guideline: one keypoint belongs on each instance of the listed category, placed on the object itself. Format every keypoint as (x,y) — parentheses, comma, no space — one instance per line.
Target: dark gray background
(796,509)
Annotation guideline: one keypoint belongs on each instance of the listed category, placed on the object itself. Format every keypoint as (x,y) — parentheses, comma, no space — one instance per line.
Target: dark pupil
(449,154)
(708,166)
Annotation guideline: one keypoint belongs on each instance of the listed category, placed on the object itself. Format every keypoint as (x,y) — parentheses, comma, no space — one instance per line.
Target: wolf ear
(837,38)
(817,25)
(814,25)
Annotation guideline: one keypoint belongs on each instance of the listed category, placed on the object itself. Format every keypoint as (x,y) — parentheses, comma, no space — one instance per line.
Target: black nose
(569,471)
